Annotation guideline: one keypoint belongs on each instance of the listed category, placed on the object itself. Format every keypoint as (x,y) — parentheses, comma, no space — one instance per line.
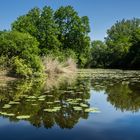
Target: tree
(48,31)
(28,23)
(73,32)
(60,31)
(120,40)
(99,54)
(41,25)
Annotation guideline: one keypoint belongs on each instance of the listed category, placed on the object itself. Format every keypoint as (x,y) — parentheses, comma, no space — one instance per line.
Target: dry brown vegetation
(54,67)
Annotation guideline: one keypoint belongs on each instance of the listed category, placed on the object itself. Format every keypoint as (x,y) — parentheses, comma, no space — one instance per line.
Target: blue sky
(102,13)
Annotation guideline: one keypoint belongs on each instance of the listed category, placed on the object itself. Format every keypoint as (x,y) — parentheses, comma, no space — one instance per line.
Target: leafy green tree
(61,31)
(121,39)
(73,32)
(48,31)
(41,25)
(133,57)
(99,54)
(28,23)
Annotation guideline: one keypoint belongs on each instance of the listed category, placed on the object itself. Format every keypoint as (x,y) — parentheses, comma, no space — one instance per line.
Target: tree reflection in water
(66,92)
(123,89)
(28,93)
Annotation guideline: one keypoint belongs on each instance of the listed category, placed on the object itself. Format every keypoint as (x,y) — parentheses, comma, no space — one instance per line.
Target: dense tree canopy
(63,33)
(123,43)
(73,32)
(62,30)
(20,53)
(121,48)
(99,54)
(41,25)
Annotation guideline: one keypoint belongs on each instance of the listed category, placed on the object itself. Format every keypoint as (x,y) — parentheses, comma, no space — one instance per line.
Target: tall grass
(54,67)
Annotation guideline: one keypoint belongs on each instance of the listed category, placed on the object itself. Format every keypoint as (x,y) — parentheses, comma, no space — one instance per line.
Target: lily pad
(23,117)
(50,110)
(57,108)
(92,110)
(31,100)
(6,106)
(57,101)
(77,108)
(31,97)
(42,96)
(83,105)
(49,102)
(3,113)
(10,114)
(13,103)
(78,99)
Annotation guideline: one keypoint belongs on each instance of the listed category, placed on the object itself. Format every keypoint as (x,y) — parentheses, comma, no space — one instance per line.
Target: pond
(90,105)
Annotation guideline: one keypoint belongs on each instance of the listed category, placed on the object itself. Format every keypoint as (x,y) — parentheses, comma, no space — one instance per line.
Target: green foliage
(73,32)
(58,31)
(3,62)
(20,50)
(18,44)
(41,25)
(99,53)
(123,43)
(19,67)
(121,48)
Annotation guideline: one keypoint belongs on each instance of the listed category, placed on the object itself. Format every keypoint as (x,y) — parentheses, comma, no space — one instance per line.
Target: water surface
(56,108)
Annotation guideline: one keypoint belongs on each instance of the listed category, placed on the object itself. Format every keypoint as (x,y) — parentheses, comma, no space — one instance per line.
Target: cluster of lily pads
(9,105)
(53,106)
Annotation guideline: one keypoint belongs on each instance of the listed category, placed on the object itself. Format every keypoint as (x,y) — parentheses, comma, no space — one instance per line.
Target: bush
(20,52)
(18,44)
(3,62)
(19,67)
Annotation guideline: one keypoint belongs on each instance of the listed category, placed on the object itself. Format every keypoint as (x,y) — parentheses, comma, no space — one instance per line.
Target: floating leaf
(10,114)
(83,105)
(23,117)
(31,97)
(3,113)
(50,110)
(31,100)
(77,108)
(57,108)
(42,96)
(6,106)
(49,102)
(78,99)
(92,110)
(57,101)
(13,103)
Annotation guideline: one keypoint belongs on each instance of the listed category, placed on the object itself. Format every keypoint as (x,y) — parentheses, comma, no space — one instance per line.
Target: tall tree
(121,37)
(99,54)
(73,32)
(40,24)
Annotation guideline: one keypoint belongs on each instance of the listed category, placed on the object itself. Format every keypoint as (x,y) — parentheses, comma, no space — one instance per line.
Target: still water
(91,105)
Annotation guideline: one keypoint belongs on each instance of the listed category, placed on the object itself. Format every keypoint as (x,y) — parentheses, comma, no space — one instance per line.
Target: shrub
(19,67)
(21,53)
(18,44)
(53,66)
